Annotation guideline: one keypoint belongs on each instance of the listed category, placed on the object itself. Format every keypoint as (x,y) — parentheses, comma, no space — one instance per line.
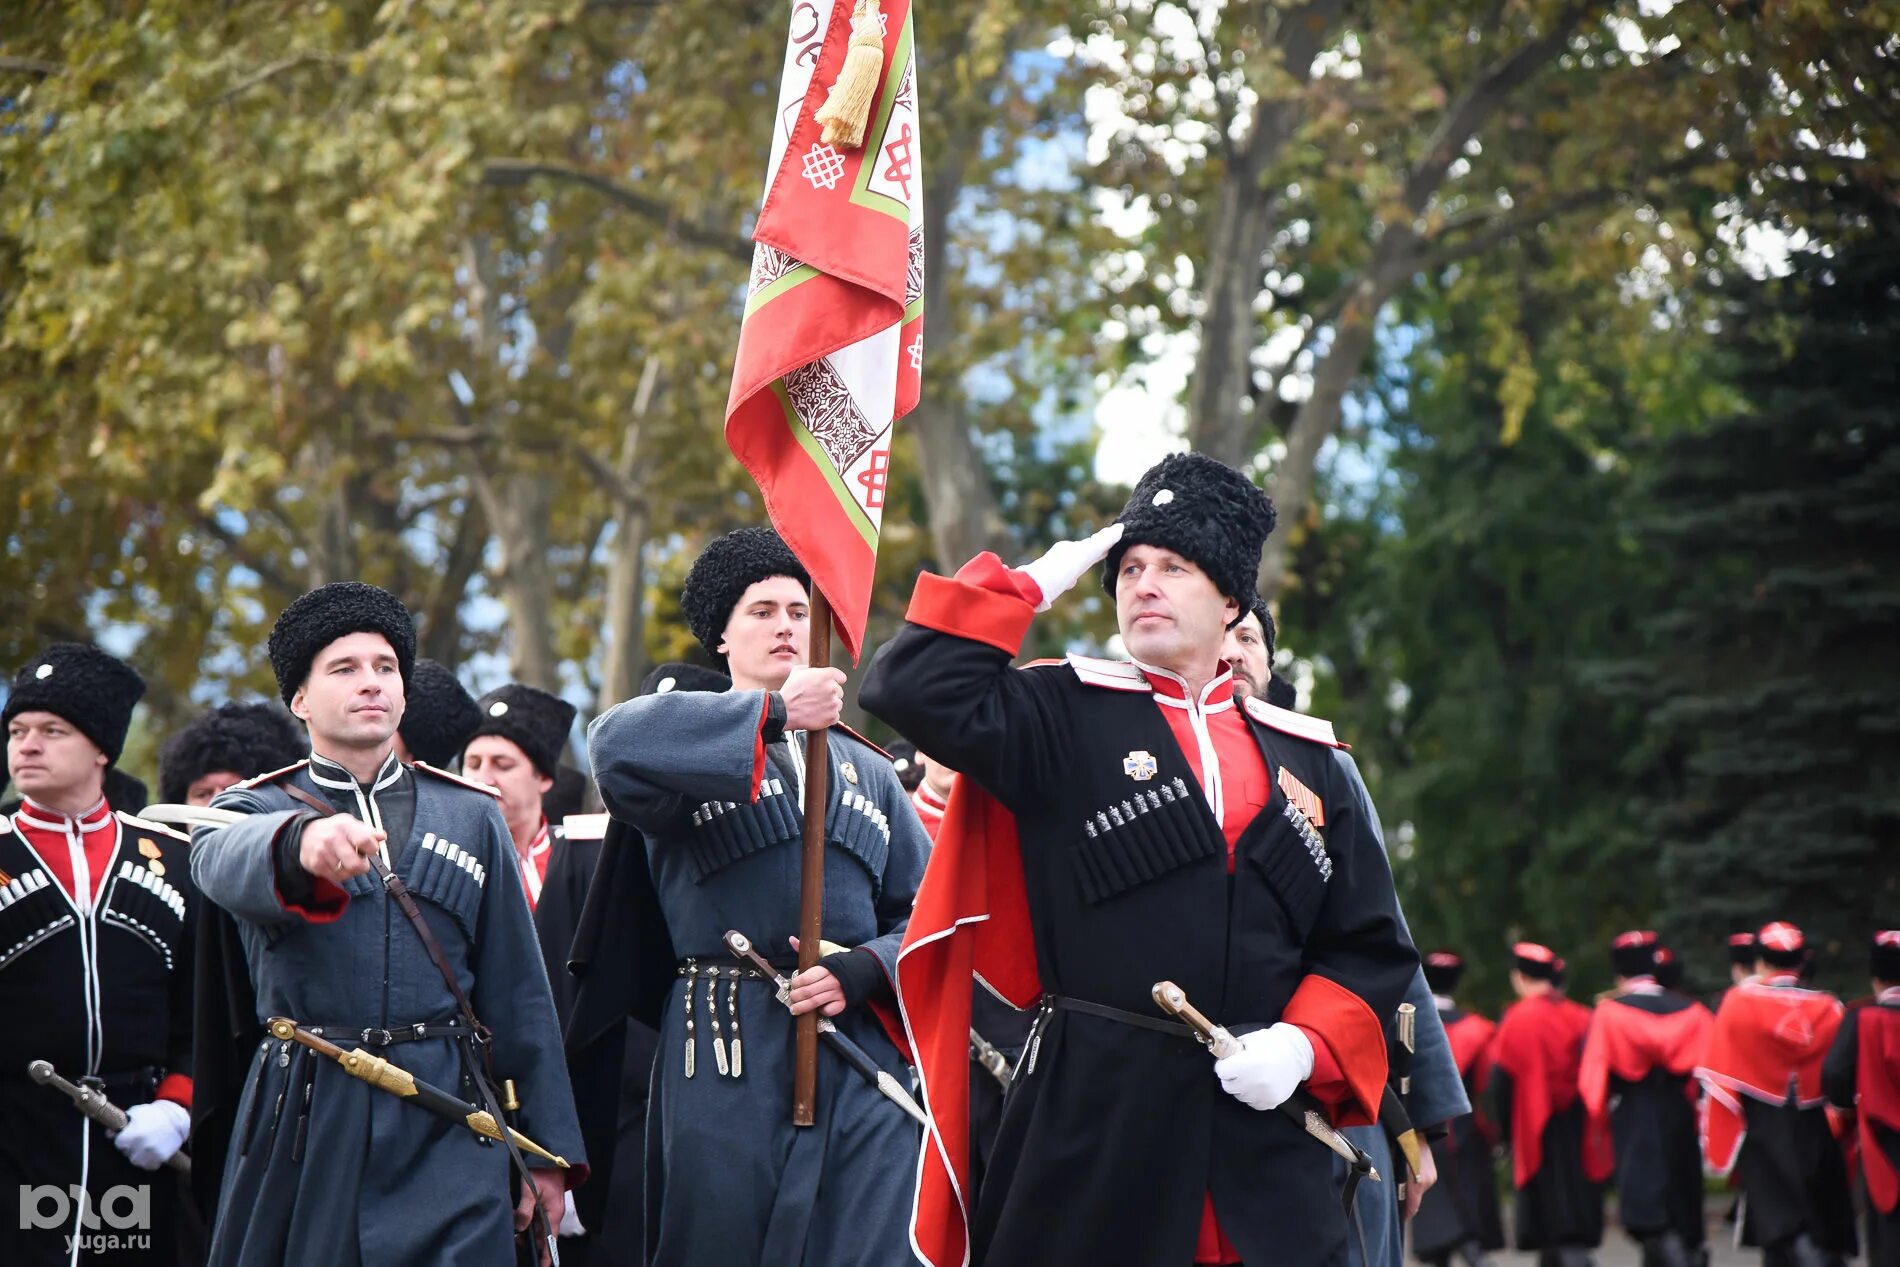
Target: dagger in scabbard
(399,1082)
(860,1060)
(1300,1106)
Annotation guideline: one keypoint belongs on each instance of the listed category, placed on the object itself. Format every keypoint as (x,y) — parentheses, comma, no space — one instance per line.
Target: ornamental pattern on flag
(831,349)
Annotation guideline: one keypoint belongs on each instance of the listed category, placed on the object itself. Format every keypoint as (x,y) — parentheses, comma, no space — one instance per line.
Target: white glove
(153,1132)
(571,1220)
(1270,1066)
(1056,572)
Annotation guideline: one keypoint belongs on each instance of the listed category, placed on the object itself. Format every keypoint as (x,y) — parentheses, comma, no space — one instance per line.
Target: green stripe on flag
(766,294)
(861,191)
(822,461)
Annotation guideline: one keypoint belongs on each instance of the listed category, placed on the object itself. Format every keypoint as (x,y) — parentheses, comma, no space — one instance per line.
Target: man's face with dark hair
(353,698)
(1170,613)
(207,786)
(501,764)
(767,634)
(1246,650)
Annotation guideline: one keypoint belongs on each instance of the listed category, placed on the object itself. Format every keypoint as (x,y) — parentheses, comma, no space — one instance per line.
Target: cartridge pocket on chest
(1142,837)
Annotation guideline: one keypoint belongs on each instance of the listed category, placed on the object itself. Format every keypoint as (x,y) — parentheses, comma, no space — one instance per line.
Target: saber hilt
(1300,1106)
(92,1103)
(993,1061)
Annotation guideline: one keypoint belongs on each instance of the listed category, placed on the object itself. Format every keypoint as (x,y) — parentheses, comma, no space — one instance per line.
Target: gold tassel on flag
(847,110)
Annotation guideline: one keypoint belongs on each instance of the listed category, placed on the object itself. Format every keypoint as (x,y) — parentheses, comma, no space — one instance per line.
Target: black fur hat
(904,760)
(678,675)
(92,690)
(245,739)
(567,796)
(1668,968)
(1281,693)
(1633,954)
(1443,970)
(1538,962)
(536,721)
(1269,632)
(334,611)
(124,793)
(1883,961)
(439,716)
(1781,945)
(1205,511)
(723,572)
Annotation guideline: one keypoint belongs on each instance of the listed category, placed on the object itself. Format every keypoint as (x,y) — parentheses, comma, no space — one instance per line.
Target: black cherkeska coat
(1113,1135)
(99,992)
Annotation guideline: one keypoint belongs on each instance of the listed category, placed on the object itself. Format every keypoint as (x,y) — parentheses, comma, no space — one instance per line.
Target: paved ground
(1620,1251)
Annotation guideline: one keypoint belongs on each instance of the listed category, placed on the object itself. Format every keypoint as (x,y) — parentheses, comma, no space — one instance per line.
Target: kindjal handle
(846,1050)
(399,1082)
(94,1105)
(1408,1042)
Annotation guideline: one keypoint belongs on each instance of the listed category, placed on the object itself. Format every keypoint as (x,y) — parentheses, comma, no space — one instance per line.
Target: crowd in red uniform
(1783,1089)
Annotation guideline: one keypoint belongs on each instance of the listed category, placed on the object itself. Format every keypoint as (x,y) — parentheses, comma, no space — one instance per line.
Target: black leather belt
(734,969)
(1159,1025)
(378,1036)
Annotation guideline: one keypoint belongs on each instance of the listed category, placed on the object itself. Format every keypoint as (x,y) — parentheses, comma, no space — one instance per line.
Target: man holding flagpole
(830,356)
(831,348)
(714,782)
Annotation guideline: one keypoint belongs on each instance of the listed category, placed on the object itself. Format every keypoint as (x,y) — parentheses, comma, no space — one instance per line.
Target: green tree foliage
(1771,776)
(446,297)
(1455,614)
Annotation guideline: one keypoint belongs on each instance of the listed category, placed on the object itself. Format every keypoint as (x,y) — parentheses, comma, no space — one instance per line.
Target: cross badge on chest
(1140,765)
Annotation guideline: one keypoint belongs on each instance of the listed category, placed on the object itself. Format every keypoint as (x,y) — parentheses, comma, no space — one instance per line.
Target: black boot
(1805,1251)
(1472,1254)
(1667,1249)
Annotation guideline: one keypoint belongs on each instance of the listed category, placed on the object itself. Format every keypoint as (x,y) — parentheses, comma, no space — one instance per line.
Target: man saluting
(323,1168)
(1165,831)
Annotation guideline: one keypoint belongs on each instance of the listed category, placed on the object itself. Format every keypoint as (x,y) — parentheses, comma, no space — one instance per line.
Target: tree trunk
(1221,423)
(963,516)
(520,511)
(330,552)
(626,659)
(440,620)
(1395,256)
(1291,486)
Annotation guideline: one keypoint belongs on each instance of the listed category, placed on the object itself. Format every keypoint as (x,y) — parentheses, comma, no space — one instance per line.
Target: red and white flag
(831,350)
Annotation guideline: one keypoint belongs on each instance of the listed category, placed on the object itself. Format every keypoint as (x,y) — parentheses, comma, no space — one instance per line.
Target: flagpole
(811,887)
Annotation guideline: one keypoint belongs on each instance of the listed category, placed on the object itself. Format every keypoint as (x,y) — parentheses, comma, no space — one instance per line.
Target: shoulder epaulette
(1299,725)
(456,779)
(838,725)
(1114,675)
(585,826)
(261,779)
(146,824)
